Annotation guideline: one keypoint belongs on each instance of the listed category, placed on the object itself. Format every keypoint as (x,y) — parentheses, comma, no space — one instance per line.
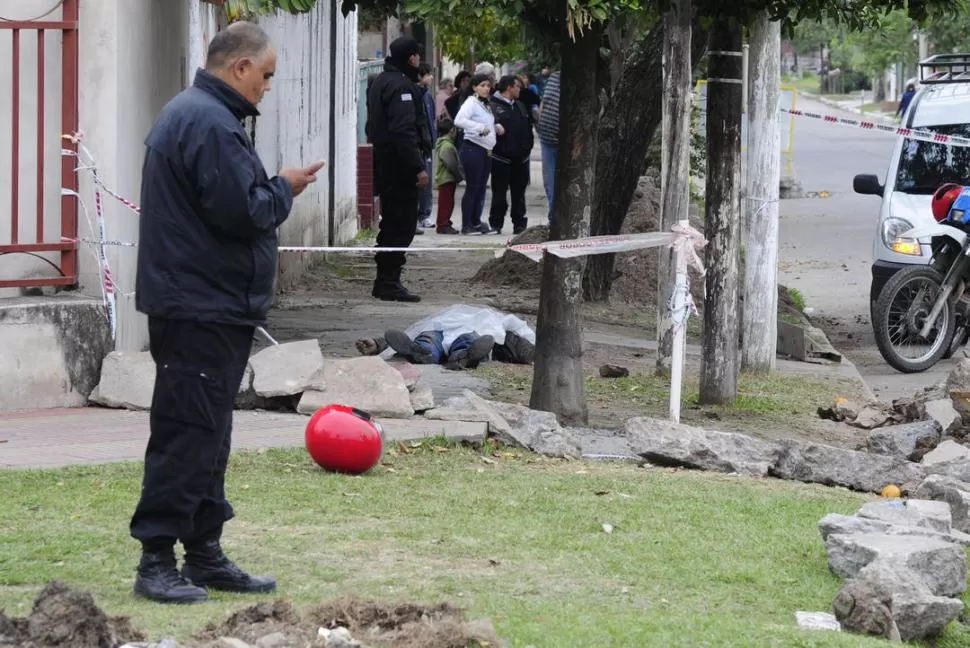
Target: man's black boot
(207,566)
(158,579)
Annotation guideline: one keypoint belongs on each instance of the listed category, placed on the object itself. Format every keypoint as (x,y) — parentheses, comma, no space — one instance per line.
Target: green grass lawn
(808,83)
(694,560)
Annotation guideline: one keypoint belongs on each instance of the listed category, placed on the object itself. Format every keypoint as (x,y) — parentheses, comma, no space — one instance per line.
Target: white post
(680,329)
(760,315)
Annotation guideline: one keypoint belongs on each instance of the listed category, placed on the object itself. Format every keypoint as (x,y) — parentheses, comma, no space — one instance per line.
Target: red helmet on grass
(943,200)
(344,439)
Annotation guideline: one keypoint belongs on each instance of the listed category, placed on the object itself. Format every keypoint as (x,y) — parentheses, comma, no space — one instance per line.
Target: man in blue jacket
(206,267)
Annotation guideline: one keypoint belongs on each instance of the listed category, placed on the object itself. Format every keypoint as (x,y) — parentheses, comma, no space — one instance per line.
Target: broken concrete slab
(288,369)
(418,429)
(940,565)
(367,383)
(955,493)
(422,399)
(943,412)
(526,428)
(834,523)
(909,441)
(926,514)
(831,466)
(455,414)
(871,417)
(667,443)
(946,452)
(127,381)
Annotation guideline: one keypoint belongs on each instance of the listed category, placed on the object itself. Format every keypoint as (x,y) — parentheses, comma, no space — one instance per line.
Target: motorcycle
(921,315)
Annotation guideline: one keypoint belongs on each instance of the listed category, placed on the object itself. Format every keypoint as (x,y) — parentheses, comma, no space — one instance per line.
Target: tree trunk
(760,317)
(626,129)
(675,161)
(558,384)
(719,360)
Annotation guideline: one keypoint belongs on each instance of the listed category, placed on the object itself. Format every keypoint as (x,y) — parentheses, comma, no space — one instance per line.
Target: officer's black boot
(207,566)
(158,579)
(391,288)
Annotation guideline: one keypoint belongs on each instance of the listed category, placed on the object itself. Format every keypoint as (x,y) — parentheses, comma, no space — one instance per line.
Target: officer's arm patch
(406,97)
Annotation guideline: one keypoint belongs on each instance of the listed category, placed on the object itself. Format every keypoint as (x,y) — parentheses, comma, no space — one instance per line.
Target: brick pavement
(89,435)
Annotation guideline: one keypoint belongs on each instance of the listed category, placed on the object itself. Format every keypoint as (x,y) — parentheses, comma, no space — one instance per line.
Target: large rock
(925,514)
(910,441)
(958,469)
(959,378)
(861,471)
(527,428)
(835,524)
(127,381)
(940,565)
(893,603)
(672,444)
(946,452)
(943,412)
(954,493)
(288,369)
(367,383)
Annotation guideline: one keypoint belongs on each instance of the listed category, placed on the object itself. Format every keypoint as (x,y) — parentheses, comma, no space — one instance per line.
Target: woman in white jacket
(476,120)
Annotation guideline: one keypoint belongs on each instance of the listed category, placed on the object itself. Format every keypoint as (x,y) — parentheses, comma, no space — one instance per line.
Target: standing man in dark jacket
(399,130)
(206,266)
(510,157)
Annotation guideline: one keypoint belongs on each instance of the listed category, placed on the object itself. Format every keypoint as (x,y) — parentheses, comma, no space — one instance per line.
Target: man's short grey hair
(238,40)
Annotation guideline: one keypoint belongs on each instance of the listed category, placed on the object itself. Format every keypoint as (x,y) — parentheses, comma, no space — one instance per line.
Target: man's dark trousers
(198,369)
(508,177)
(399,211)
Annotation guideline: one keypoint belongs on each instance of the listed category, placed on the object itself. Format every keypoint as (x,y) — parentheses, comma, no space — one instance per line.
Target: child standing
(448,173)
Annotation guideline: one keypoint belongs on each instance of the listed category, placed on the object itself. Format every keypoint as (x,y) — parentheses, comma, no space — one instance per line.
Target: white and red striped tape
(921,135)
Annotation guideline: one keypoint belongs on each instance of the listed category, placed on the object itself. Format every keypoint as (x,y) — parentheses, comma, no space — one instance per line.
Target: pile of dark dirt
(69,618)
(405,625)
(513,269)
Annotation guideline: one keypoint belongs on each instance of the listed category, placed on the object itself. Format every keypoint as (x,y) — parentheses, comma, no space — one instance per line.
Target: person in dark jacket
(399,129)
(510,157)
(206,266)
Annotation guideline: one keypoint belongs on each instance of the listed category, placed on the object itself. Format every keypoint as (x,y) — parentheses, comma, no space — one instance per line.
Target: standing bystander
(549,137)
(510,157)
(425,79)
(206,266)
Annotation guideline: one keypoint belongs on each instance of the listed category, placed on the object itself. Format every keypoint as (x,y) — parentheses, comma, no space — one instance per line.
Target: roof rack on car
(945,68)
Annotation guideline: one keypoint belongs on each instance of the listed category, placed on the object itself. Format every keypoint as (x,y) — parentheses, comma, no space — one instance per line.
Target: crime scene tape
(921,135)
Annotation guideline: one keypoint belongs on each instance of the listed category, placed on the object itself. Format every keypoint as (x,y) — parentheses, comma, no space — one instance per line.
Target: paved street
(826,243)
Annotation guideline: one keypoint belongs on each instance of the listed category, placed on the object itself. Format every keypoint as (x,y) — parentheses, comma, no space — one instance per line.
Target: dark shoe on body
(471,357)
(405,347)
(158,580)
(207,566)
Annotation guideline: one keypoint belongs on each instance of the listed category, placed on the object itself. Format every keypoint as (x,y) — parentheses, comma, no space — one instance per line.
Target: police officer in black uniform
(398,127)
(207,255)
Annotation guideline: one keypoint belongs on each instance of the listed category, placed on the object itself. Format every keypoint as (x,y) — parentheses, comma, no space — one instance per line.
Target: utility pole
(719,359)
(675,160)
(760,318)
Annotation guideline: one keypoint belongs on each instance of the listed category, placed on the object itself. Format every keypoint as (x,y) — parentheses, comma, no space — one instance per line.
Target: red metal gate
(19,239)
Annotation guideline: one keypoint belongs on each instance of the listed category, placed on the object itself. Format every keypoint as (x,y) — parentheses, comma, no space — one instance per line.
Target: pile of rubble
(947,403)
(905,563)
(296,377)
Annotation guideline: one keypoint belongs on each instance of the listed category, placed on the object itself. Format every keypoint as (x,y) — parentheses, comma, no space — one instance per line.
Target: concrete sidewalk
(90,435)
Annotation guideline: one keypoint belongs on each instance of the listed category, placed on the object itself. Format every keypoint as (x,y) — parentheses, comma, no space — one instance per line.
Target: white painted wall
(294,126)
(130,67)
(17,266)
(135,55)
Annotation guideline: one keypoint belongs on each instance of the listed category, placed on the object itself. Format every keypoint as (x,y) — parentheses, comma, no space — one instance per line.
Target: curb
(852,109)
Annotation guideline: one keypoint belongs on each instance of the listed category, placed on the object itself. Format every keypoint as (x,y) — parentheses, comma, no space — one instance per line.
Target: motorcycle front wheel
(900,313)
